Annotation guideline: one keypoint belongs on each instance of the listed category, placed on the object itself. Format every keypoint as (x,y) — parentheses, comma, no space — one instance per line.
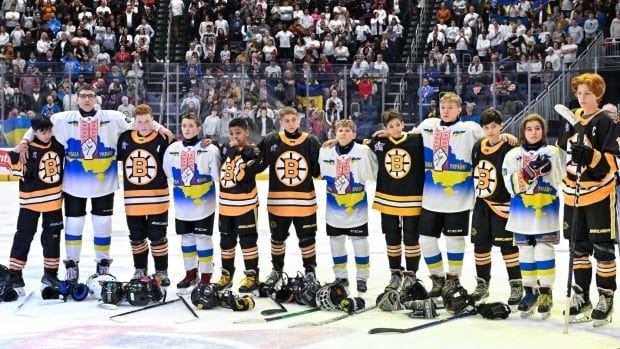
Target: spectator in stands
(576,31)
(264,124)
(478,97)
(50,108)
(614,30)
(590,27)
(177,8)
(426,94)
(469,114)
(212,125)
(127,108)
(569,51)
(554,58)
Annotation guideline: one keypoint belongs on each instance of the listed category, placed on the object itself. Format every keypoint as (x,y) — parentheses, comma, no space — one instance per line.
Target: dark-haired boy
(237,206)
(491,210)
(40,193)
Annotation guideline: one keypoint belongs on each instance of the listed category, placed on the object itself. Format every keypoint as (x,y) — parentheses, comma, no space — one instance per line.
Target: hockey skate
(528,303)
(481,291)
(103,266)
(162,276)
(396,280)
(601,315)
(409,279)
(273,282)
(16,279)
(580,306)
(448,290)
(191,279)
(138,274)
(545,302)
(362,287)
(516,293)
(435,292)
(225,281)
(72,271)
(49,278)
(205,278)
(342,282)
(249,284)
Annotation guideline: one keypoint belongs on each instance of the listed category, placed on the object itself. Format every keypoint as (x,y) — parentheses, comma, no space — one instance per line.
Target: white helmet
(95,281)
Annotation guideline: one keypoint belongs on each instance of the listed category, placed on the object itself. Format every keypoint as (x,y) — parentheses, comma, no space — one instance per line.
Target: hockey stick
(189,307)
(279,317)
(421,327)
(328,321)
(568,115)
(269,312)
(144,308)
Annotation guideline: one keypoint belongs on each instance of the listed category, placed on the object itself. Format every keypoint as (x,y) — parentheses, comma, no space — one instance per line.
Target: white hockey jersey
(90,143)
(193,170)
(535,206)
(448,180)
(346,176)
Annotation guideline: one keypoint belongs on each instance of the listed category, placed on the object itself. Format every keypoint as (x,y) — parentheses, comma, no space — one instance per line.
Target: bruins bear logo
(397,162)
(140,167)
(291,168)
(48,167)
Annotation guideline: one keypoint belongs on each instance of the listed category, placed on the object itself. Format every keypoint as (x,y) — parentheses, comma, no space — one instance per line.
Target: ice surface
(84,325)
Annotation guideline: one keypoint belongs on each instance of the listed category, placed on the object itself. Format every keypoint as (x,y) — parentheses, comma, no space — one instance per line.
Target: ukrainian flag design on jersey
(193,171)
(535,205)
(345,176)
(448,181)
(89,163)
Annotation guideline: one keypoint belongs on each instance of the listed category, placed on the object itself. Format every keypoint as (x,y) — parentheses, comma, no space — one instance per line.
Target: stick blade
(269,312)
(566,113)
(386,330)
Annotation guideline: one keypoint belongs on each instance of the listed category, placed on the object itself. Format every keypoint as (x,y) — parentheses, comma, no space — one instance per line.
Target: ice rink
(84,325)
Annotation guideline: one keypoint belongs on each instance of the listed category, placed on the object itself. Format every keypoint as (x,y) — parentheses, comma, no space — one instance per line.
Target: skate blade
(20,291)
(184,291)
(107,306)
(603,322)
(544,316)
(526,314)
(514,308)
(578,319)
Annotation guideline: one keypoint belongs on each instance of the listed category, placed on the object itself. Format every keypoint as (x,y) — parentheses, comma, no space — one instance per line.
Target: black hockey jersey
(144,181)
(400,179)
(598,180)
(238,193)
(40,186)
(488,179)
(292,162)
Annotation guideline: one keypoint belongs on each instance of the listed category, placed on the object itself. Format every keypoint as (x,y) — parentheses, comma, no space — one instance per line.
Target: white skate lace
(602,304)
(72,273)
(578,300)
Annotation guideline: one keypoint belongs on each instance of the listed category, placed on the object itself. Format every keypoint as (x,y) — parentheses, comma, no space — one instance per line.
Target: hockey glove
(582,154)
(493,311)
(352,304)
(422,309)
(389,301)
(537,168)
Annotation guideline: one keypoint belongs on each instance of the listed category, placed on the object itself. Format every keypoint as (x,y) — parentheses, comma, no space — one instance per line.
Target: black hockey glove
(352,304)
(493,311)
(537,168)
(582,154)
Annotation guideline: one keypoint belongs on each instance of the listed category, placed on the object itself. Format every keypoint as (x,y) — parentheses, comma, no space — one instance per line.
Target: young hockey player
(398,196)
(238,206)
(591,145)
(532,175)
(40,194)
(346,168)
(292,158)
(90,137)
(141,152)
(491,210)
(193,170)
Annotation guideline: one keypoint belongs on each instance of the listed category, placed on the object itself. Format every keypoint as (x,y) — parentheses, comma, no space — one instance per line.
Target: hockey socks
(511,261)
(455,246)
(308,252)
(432,255)
(362,260)
(482,255)
(74,226)
(188,247)
(249,249)
(140,251)
(278,249)
(545,264)
(339,256)
(204,249)
(159,250)
(102,226)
